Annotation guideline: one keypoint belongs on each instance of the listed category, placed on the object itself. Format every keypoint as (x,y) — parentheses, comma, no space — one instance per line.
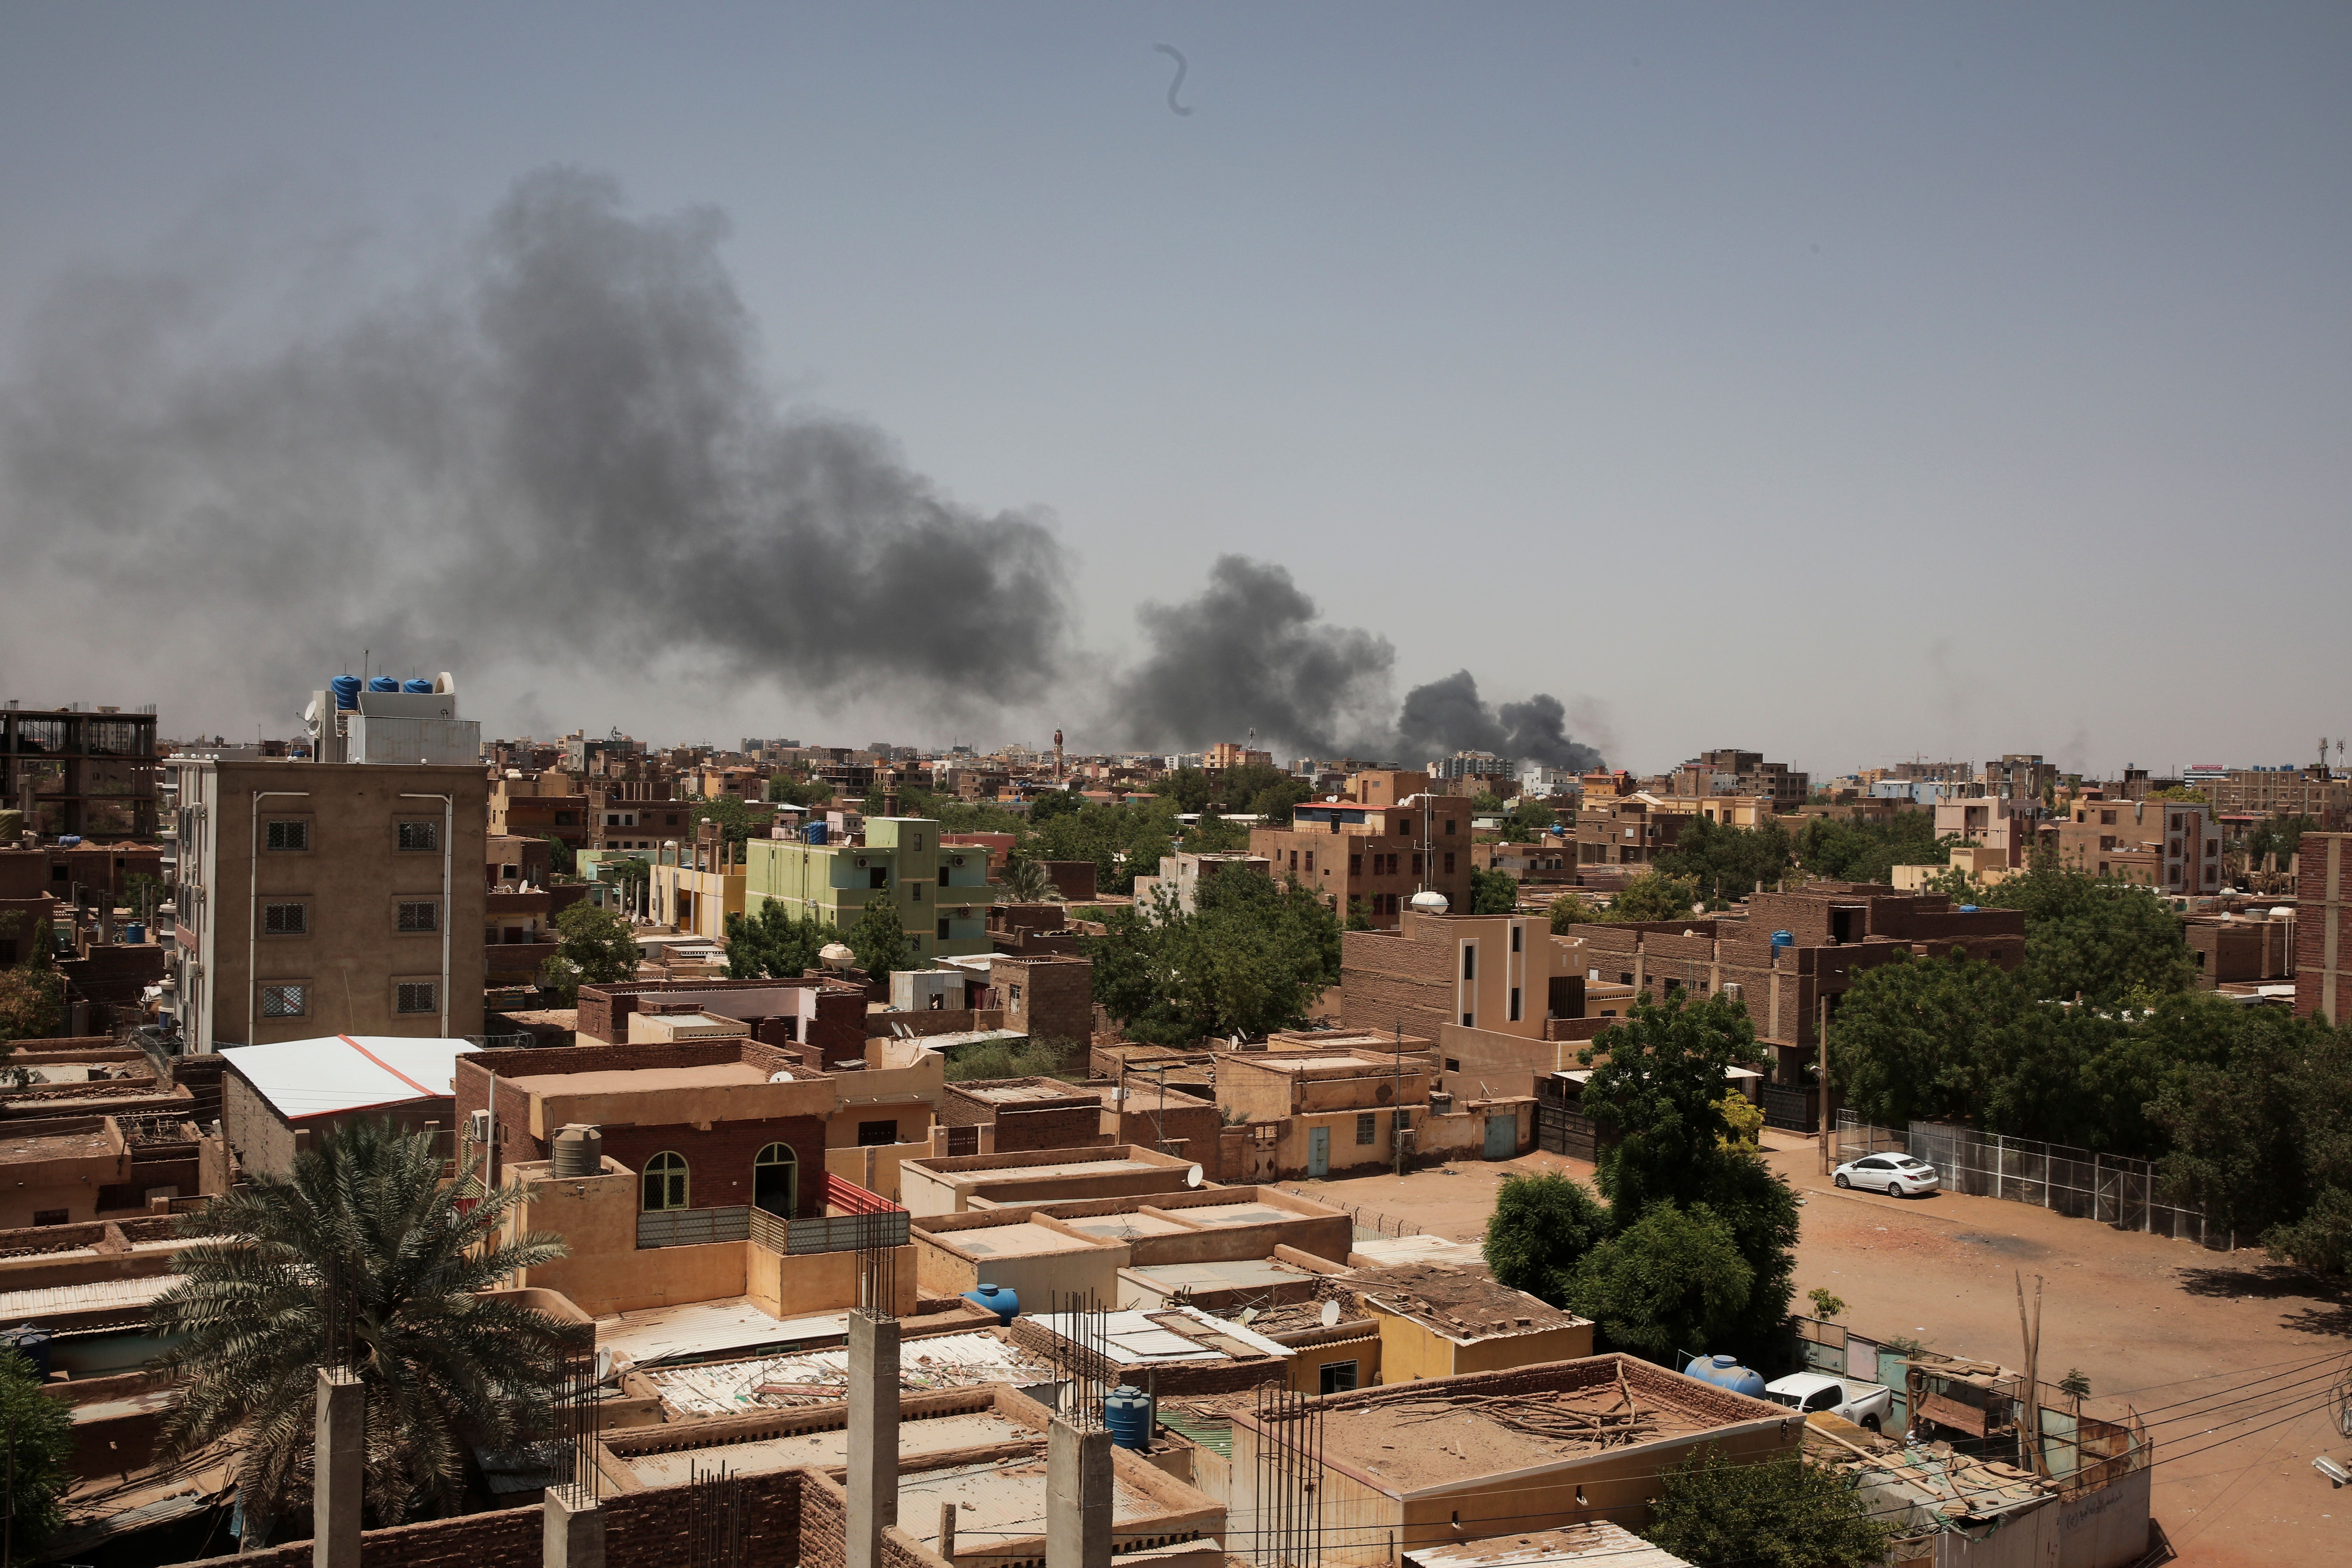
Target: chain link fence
(2114,1189)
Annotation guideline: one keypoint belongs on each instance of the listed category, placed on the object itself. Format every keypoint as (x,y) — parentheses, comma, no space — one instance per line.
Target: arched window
(665,1182)
(776,1180)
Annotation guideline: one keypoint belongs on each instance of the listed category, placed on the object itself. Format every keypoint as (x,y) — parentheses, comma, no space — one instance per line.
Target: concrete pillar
(340,1468)
(1077,1496)
(872,1437)
(573,1529)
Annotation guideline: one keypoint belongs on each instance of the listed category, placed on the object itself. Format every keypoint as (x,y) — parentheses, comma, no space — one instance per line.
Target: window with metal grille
(420,835)
(1366,1127)
(422,916)
(288,835)
(415,996)
(285,1001)
(285,919)
(943,930)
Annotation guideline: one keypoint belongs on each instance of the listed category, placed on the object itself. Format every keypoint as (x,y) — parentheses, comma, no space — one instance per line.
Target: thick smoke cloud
(1251,652)
(1448,716)
(559,449)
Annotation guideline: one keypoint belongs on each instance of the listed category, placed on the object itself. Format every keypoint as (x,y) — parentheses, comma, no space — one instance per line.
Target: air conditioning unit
(477,1126)
(861,862)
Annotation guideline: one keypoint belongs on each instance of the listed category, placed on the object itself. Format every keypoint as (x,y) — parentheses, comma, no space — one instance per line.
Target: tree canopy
(1542,1226)
(771,943)
(1670,1284)
(878,938)
(1782,1513)
(40,1439)
(1528,821)
(596,947)
(1869,851)
(796,789)
(1121,841)
(1253,957)
(1492,892)
(2106,942)
(1654,896)
(734,818)
(367,1233)
(1727,862)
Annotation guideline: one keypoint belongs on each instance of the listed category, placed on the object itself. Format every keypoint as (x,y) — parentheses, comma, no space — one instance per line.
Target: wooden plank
(1952,1413)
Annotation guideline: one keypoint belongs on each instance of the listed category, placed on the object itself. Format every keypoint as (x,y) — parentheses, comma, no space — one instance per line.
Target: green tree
(1673,1283)
(879,939)
(1007,1058)
(595,947)
(1542,1226)
(1121,841)
(1359,915)
(32,994)
(1907,1042)
(1528,822)
(1727,862)
(1492,892)
(734,818)
(2259,1136)
(1653,896)
(365,1232)
(1781,1513)
(39,1437)
(1026,882)
(2279,836)
(795,789)
(562,860)
(1212,835)
(1569,909)
(1191,788)
(1251,957)
(1056,802)
(1869,851)
(2105,941)
(1486,802)
(769,942)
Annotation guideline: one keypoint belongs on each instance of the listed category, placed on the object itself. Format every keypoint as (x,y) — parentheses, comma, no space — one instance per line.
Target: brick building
(2323,942)
(827,1015)
(1730,771)
(1834,930)
(2309,791)
(1625,830)
(1025,1113)
(1047,996)
(1346,850)
(703,1123)
(2170,844)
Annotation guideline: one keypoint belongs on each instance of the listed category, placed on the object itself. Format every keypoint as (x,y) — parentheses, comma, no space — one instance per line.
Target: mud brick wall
(1384,977)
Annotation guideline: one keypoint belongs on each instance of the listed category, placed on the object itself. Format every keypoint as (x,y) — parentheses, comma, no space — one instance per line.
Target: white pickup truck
(1867,1405)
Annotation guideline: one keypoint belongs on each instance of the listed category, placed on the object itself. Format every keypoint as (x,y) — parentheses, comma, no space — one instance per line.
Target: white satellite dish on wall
(1330,1314)
(1192,1177)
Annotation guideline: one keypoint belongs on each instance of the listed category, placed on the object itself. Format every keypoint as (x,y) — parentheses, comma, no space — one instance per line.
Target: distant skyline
(1835,382)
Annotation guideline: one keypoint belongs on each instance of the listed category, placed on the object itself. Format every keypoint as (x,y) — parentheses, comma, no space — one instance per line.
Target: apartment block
(2307,791)
(1732,771)
(90,772)
(2322,942)
(1346,850)
(1625,830)
(326,899)
(2165,844)
(940,894)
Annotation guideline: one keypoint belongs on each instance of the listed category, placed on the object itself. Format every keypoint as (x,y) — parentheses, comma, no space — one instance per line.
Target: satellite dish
(1192,1177)
(1330,1314)
(1249,1316)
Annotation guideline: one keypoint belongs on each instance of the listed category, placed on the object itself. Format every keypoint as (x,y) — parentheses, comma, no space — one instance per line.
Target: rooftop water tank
(816,832)
(67,840)
(384,683)
(1126,1411)
(417,684)
(1429,901)
(1784,939)
(578,1151)
(2282,911)
(1968,909)
(1000,1300)
(346,689)
(1724,1371)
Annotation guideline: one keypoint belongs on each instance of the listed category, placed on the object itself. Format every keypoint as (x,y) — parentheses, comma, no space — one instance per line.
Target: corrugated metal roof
(339,1073)
(1576,1544)
(97,1295)
(657,1334)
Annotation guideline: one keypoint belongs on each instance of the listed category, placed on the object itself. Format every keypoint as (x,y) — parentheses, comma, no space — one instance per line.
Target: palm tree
(1025,882)
(367,1246)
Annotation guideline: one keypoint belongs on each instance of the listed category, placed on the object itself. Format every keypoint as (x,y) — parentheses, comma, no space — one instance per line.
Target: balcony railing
(694,1227)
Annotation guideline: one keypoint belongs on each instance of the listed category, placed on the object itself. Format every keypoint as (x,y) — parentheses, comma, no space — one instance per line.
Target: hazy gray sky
(1842,382)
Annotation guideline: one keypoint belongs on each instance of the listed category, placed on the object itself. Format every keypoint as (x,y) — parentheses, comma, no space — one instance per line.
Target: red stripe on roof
(429,1094)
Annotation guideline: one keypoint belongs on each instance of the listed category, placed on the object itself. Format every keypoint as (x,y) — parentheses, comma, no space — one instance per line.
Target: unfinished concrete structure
(947,1183)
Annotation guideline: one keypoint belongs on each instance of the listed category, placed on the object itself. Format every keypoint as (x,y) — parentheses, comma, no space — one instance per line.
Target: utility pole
(1396,1105)
(1822,1040)
(2029,1427)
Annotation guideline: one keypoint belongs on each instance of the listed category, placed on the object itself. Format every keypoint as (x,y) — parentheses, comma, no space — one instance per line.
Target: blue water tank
(1968,909)
(346,689)
(999,1299)
(384,683)
(417,684)
(1784,939)
(134,931)
(1724,1371)
(1127,1413)
(816,832)
(30,1342)
(67,840)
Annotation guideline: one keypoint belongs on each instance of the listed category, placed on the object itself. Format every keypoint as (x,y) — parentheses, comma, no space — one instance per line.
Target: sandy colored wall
(604,1271)
(1309,1361)
(873,1166)
(809,1283)
(1034,1279)
(1464,1132)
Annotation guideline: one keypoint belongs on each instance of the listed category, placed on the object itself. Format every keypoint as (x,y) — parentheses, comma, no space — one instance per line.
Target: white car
(1867,1405)
(1896,1174)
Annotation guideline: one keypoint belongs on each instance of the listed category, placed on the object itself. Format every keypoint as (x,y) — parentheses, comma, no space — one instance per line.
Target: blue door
(1318,1151)
(1502,1137)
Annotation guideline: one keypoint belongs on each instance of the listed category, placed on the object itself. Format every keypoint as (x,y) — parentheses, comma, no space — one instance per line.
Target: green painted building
(942,894)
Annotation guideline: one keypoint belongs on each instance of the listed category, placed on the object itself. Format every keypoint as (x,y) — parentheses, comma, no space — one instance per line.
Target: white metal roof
(339,1073)
(1131,1339)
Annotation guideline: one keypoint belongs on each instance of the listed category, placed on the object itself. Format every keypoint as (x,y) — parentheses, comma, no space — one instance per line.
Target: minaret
(1057,757)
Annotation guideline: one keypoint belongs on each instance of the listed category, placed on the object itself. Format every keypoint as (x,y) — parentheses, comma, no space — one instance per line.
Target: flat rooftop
(1237,1214)
(995,1500)
(62,1143)
(94,1295)
(1161,1335)
(625,1080)
(1022,1240)
(1433,1435)
(803,1378)
(1241,1274)
(1591,1543)
(698,1328)
(1020,1093)
(825,1450)
(1462,1305)
(1029,1172)
(1124,1227)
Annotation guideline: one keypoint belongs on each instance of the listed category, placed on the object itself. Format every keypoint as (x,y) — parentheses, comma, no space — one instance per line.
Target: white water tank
(1429,901)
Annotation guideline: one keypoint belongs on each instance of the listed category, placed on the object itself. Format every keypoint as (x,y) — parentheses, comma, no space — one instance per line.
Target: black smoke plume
(1251,652)
(557,450)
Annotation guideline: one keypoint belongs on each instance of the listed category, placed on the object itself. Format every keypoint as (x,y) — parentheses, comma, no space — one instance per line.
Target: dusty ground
(2228,1358)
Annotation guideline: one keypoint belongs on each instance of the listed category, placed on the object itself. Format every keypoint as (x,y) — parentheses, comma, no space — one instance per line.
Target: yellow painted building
(1437,1321)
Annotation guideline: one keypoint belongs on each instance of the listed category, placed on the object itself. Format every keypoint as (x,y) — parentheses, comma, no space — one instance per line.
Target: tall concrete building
(336,897)
(941,892)
(2322,942)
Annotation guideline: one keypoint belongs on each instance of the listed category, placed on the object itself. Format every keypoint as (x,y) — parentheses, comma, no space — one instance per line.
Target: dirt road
(2228,1358)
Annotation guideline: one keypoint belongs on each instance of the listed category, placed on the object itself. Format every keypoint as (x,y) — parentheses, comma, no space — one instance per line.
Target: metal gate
(1791,1110)
(1559,1130)
(1318,1151)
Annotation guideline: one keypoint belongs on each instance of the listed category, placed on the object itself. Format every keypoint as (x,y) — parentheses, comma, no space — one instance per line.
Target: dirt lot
(2227,1357)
